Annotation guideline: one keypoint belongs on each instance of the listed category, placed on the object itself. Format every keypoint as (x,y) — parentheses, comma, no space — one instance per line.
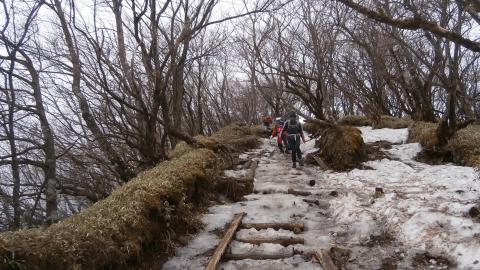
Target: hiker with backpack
(295,133)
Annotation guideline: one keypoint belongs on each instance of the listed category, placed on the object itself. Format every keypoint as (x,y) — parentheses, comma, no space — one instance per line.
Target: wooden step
(284,241)
(298,192)
(262,256)
(295,227)
(257,256)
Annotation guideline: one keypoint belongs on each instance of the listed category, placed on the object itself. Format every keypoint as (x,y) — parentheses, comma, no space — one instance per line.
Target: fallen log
(275,226)
(325,260)
(298,192)
(217,254)
(284,241)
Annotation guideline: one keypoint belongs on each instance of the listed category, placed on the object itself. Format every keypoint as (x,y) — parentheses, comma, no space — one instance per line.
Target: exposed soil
(429,261)
(434,157)
(375,151)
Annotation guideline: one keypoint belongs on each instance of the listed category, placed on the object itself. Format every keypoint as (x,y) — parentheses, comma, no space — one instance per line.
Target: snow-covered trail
(423,209)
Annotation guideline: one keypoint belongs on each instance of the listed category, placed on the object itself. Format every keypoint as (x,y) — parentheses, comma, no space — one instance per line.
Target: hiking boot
(301,162)
(294,165)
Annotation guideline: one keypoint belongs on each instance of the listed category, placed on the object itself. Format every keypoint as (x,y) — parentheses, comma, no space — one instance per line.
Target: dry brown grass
(237,136)
(342,147)
(465,146)
(355,120)
(312,128)
(148,211)
(392,122)
(424,133)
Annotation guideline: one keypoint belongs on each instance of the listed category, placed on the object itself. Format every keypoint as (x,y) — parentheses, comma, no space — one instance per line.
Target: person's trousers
(279,142)
(294,144)
(280,146)
(285,140)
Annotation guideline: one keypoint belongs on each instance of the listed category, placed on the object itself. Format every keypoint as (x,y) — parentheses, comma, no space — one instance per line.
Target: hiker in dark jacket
(295,133)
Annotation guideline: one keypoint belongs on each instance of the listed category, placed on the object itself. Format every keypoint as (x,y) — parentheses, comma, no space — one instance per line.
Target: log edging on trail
(324,259)
(221,247)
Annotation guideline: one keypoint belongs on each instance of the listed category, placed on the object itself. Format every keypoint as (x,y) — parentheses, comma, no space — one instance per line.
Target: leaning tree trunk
(120,166)
(48,147)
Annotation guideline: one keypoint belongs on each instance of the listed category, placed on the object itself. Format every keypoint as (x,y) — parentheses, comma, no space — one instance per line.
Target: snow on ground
(385,134)
(296,262)
(424,205)
(424,208)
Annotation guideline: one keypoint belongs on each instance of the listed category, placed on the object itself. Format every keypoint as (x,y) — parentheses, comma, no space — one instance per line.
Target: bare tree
(417,21)
(18,54)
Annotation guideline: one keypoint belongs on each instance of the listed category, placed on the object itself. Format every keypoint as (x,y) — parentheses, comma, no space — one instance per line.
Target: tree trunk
(48,148)
(13,148)
(121,168)
(199,123)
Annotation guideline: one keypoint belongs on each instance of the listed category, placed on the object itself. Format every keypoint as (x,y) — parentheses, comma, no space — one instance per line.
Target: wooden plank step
(262,256)
(296,227)
(257,256)
(227,238)
(298,192)
(284,241)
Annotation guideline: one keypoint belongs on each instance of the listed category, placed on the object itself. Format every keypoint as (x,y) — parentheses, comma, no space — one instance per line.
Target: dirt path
(371,230)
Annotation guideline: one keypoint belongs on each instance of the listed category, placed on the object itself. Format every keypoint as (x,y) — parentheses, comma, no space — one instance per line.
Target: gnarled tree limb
(415,23)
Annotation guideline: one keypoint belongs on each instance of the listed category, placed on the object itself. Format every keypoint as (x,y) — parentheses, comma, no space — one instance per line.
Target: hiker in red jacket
(277,132)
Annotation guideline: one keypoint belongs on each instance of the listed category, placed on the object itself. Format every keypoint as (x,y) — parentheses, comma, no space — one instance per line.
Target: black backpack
(293,127)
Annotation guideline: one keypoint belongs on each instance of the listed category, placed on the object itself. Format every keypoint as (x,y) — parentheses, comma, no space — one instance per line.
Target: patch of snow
(384,134)
(296,262)
(405,151)
(267,233)
(444,234)
(267,248)
(234,174)
(309,146)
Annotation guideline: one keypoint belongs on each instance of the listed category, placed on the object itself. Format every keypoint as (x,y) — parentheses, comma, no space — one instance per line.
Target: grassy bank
(464,146)
(149,211)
